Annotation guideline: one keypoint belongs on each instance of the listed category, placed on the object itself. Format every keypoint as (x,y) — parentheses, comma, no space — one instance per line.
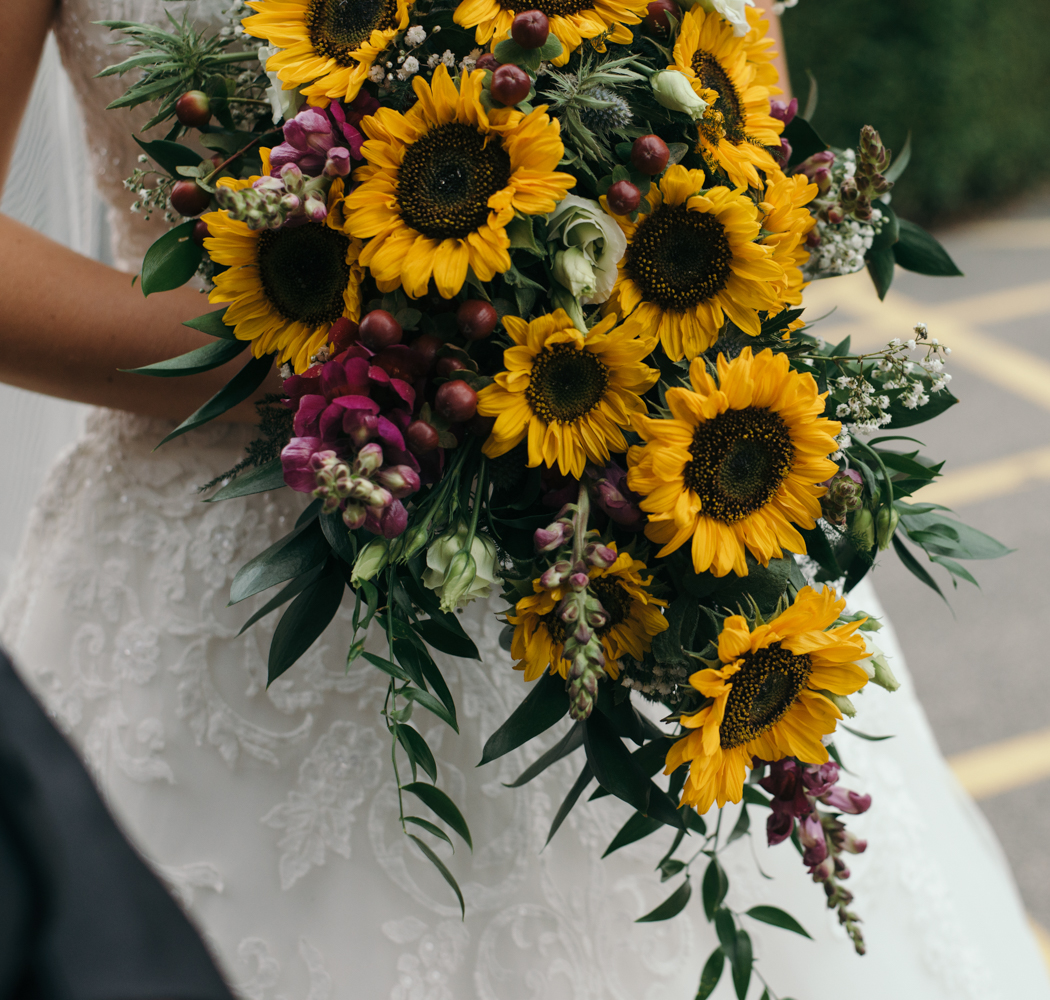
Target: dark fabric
(81,916)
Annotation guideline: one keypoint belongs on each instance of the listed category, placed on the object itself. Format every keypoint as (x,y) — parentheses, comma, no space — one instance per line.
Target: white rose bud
(573,270)
(441,557)
(673,91)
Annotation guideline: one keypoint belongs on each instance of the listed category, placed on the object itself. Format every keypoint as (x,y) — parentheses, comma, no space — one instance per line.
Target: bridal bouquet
(533,279)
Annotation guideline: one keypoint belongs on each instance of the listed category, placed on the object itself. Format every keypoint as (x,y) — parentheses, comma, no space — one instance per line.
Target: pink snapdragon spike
(811,836)
(312,137)
(784,111)
(349,445)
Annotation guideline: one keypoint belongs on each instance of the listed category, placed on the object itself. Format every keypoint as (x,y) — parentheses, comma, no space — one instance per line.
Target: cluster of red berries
(511,84)
(649,155)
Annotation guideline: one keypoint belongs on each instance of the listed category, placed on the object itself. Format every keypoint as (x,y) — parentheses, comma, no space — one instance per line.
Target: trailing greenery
(969,79)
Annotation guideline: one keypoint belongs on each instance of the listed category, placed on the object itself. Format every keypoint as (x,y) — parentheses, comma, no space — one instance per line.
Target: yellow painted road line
(1003,305)
(987,480)
(1002,767)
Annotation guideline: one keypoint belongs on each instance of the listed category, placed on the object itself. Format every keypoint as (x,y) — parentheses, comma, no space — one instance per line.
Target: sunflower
(286,287)
(329,44)
(767,696)
(736,127)
(571,21)
(736,464)
(786,223)
(691,261)
(442,181)
(634,618)
(570,393)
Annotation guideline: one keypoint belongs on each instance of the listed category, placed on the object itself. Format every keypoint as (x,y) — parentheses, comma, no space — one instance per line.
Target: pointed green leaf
(437,800)
(570,800)
(438,635)
(203,359)
(636,828)
(864,736)
(743,824)
(880,267)
(429,702)
(304,621)
(417,748)
(169,156)
(297,586)
(743,960)
(237,390)
(261,479)
(387,666)
(712,973)
(425,824)
(172,260)
(714,888)
(778,918)
(670,907)
(212,324)
(613,765)
(918,251)
(914,567)
(543,706)
(338,535)
(288,557)
(445,873)
(569,743)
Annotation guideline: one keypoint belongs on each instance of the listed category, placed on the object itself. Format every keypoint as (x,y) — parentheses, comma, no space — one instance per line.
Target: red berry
(456,401)
(426,345)
(649,154)
(623,198)
(530,29)
(189,199)
(342,334)
(510,84)
(193,109)
(421,437)
(379,329)
(449,364)
(200,232)
(656,18)
(476,319)
(487,61)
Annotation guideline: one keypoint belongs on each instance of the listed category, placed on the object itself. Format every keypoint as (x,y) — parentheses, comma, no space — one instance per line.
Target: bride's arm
(68,323)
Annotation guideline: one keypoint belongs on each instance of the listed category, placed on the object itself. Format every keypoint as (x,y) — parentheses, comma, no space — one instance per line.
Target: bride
(271,811)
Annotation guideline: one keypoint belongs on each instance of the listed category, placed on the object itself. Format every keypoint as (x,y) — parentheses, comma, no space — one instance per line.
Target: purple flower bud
(369,458)
(818,779)
(783,155)
(579,580)
(315,209)
(813,238)
(779,824)
(354,516)
(823,871)
(846,801)
(818,161)
(338,162)
(822,178)
(835,216)
(811,835)
(784,112)
(613,496)
(568,612)
(554,576)
(854,844)
(552,537)
(599,555)
(400,480)
(380,497)
(360,426)
(389,522)
(296,462)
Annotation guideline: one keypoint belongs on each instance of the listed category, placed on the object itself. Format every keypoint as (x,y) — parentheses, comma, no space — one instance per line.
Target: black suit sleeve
(81,916)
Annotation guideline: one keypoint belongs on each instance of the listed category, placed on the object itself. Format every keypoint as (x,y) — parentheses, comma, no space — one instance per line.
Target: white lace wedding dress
(272,812)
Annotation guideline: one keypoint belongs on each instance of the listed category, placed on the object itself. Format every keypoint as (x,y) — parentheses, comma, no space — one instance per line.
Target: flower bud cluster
(845,494)
(323,141)
(361,486)
(798,790)
(271,202)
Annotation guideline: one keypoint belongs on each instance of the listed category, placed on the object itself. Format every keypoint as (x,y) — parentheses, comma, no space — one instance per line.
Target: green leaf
(431,828)
(743,961)
(670,867)
(636,828)
(880,267)
(778,918)
(803,138)
(613,765)
(203,359)
(509,51)
(172,260)
(237,390)
(284,595)
(212,324)
(913,566)
(438,685)
(901,416)
(888,234)
(714,888)
(543,706)
(725,928)
(971,544)
(753,797)
(268,476)
(670,907)
(569,801)
(916,250)
(955,569)
(304,621)
(445,873)
(741,827)
(900,163)
(416,747)
(338,536)
(551,49)
(387,666)
(437,800)
(712,973)
(169,156)
(438,635)
(432,704)
(569,743)
(864,736)
(297,552)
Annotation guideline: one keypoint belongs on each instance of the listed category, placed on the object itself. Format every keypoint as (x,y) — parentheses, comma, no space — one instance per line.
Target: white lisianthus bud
(732,10)
(584,225)
(573,269)
(673,91)
(372,559)
(441,557)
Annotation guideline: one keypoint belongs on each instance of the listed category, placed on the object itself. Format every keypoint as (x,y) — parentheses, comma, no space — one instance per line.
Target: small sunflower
(786,223)
(329,44)
(442,182)
(737,463)
(571,394)
(571,21)
(693,260)
(286,287)
(767,696)
(737,127)
(634,618)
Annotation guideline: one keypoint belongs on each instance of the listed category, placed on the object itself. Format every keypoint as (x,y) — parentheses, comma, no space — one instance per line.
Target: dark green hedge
(970,78)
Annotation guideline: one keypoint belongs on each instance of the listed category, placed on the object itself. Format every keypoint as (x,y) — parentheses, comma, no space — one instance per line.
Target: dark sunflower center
(447,178)
(764,688)
(552,8)
(565,384)
(679,258)
(740,458)
(712,74)
(338,27)
(304,272)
